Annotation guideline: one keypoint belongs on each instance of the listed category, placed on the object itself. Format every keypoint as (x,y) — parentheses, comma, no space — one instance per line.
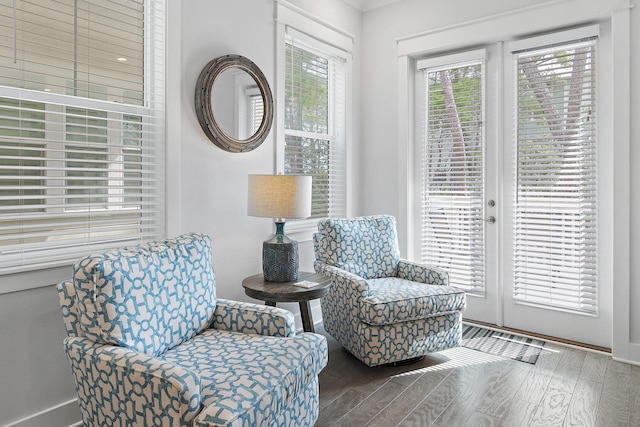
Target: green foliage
(306,91)
(466,85)
(307,110)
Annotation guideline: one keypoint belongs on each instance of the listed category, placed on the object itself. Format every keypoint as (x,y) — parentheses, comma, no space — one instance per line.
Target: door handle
(491,219)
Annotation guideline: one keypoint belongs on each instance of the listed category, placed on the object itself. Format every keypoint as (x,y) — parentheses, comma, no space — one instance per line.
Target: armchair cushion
(366,246)
(250,318)
(149,297)
(247,379)
(392,300)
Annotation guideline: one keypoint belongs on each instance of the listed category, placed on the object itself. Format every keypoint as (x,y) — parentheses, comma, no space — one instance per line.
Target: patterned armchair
(381,308)
(151,345)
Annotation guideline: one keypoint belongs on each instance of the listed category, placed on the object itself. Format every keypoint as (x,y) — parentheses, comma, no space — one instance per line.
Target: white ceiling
(365,5)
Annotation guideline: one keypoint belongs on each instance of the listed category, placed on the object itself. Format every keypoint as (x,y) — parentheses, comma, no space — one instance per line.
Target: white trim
(348,136)
(310,41)
(499,130)
(173,133)
(552,38)
(487,18)
(630,362)
(445,61)
(621,192)
(508,25)
(406,167)
(288,14)
(73,101)
(65,413)
(35,278)
(279,92)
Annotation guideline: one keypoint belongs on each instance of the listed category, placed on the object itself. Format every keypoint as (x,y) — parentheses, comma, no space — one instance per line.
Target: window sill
(23,281)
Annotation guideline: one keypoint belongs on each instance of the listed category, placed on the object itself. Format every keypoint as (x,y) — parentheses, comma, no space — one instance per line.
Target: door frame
(508,25)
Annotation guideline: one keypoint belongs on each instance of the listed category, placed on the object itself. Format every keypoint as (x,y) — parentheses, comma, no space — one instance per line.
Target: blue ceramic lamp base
(280,257)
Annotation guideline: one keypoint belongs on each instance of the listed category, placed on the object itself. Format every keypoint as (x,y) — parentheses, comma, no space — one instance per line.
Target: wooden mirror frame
(204,105)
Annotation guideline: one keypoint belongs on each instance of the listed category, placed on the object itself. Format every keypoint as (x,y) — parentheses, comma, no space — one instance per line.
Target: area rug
(502,344)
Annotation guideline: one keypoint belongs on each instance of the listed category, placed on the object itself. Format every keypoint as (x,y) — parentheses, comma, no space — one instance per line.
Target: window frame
(329,39)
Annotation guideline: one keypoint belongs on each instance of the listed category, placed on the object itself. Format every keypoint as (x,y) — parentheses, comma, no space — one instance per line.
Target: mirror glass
(233,103)
(237,103)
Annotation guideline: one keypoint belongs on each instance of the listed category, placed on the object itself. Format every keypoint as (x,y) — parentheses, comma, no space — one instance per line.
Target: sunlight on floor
(458,357)
(462,356)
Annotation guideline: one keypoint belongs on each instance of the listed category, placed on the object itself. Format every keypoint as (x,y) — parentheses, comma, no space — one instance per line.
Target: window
(314,125)
(452,166)
(555,207)
(81,128)
(314,115)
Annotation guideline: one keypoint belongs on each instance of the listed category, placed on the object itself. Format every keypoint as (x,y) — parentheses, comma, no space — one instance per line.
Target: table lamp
(279,197)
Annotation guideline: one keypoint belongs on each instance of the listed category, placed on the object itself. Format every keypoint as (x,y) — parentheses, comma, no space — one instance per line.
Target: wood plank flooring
(462,387)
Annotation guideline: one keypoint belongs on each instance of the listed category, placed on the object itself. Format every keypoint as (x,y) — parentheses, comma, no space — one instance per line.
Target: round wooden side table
(274,292)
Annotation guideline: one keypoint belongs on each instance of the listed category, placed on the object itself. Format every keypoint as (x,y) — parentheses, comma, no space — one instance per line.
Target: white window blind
(81,128)
(315,111)
(555,208)
(452,171)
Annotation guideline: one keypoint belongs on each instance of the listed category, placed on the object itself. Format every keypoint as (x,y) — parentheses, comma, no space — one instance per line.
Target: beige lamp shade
(279,196)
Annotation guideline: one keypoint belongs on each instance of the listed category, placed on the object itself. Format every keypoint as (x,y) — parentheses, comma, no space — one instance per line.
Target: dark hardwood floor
(463,387)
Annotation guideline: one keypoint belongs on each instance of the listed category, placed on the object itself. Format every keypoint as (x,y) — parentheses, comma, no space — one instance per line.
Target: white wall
(382,192)
(35,374)
(380,128)
(214,182)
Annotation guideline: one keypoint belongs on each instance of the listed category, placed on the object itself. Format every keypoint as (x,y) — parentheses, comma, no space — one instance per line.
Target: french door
(456,204)
(508,178)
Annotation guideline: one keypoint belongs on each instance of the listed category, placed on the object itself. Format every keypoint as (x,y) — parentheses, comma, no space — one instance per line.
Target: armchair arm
(120,385)
(343,282)
(343,278)
(250,318)
(421,273)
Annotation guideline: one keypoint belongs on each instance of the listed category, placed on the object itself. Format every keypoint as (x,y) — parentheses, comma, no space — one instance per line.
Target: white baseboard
(65,414)
(632,354)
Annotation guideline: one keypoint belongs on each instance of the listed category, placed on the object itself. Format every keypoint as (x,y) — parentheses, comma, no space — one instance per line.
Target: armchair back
(366,246)
(150,297)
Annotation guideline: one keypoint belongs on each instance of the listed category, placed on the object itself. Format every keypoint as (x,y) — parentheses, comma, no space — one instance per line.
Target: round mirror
(234,103)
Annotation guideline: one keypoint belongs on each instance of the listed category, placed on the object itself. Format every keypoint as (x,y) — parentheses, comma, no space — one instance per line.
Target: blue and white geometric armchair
(381,308)
(151,345)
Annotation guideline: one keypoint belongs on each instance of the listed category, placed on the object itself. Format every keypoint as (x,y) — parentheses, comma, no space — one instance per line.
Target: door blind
(452,168)
(555,208)
(81,128)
